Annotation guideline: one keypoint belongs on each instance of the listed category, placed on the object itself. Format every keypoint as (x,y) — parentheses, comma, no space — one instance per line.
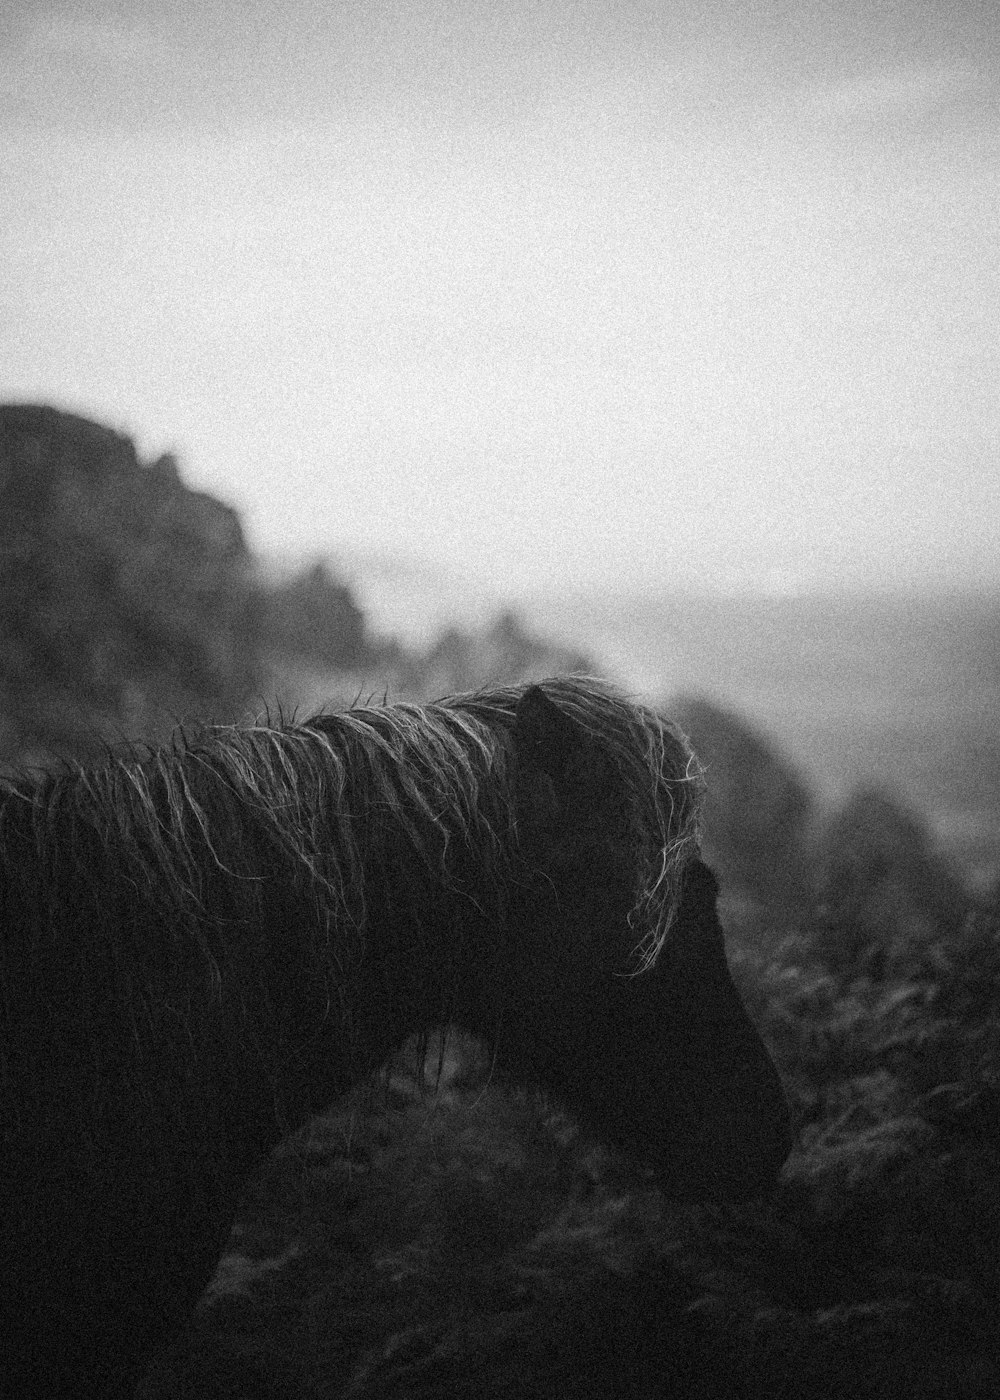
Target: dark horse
(201,946)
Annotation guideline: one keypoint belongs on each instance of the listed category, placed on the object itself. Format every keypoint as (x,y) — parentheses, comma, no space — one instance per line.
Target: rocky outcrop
(126,599)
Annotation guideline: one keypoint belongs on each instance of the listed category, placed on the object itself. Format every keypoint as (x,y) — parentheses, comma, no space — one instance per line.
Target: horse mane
(192,838)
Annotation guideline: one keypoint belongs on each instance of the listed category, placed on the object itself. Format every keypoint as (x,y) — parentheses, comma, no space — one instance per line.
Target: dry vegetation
(474,1242)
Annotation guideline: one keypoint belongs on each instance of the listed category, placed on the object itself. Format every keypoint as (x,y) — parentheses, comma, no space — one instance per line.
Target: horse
(203,944)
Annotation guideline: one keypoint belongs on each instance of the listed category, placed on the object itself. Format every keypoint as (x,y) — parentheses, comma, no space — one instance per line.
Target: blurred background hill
(129,603)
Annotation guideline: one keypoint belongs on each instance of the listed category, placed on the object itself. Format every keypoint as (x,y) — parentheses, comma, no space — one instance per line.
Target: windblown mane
(197,835)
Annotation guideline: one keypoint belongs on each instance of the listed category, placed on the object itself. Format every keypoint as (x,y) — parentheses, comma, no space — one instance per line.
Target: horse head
(620,997)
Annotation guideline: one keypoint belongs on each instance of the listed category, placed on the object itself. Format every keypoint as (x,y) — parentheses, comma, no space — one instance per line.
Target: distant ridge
(402,594)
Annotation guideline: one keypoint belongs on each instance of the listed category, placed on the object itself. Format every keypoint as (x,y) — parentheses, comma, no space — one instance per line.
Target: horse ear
(697,940)
(699,891)
(551,758)
(543,736)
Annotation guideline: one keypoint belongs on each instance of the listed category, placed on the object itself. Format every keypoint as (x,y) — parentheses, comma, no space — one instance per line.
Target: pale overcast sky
(552,290)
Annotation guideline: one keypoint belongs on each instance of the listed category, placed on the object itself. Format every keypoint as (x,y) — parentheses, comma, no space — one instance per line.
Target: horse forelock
(661,780)
(663,784)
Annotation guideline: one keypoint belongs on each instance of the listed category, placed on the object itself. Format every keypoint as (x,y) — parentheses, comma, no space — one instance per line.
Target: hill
(126,599)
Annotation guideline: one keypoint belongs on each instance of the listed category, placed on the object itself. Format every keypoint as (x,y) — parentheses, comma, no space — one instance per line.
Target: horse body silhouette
(202,946)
